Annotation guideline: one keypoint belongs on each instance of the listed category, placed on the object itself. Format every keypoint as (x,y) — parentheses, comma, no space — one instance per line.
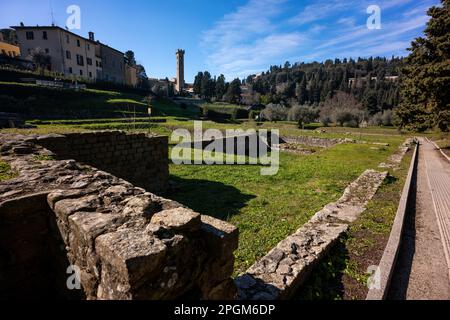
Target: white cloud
(347,21)
(247,39)
(251,19)
(319,10)
(237,60)
(261,33)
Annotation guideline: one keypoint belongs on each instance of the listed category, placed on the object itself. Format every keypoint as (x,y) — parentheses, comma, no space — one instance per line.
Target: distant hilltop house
(8,49)
(360,81)
(75,56)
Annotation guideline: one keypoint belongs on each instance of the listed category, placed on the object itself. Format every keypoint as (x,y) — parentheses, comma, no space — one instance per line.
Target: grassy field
(343,275)
(222,107)
(267,209)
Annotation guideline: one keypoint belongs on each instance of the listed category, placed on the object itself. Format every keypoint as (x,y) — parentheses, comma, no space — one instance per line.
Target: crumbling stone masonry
(128,243)
(138,158)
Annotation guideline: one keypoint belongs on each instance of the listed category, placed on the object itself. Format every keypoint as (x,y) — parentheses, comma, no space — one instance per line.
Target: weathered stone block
(130,258)
(178,219)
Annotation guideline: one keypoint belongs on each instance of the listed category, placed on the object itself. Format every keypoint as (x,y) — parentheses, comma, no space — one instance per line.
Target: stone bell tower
(180,70)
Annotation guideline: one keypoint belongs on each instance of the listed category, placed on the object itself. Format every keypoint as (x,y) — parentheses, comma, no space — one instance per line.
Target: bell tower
(180,70)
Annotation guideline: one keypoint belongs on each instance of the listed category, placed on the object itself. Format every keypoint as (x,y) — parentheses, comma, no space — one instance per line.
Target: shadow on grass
(209,197)
(390,180)
(326,279)
(400,279)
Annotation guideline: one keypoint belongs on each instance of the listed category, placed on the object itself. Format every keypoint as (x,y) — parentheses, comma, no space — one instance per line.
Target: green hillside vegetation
(34,102)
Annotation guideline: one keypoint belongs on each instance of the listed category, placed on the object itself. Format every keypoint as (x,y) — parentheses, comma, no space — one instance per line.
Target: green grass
(5,171)
(33,101)
(268,208)
(222,107)
(342,275)
(127,101)
(43,158)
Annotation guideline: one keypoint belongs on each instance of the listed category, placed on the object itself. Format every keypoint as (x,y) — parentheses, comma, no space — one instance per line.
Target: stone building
(113,64)
(180,70)
(358,82)
(131,75)
(71,54)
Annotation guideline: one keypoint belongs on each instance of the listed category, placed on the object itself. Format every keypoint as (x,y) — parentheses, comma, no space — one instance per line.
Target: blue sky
(233,37)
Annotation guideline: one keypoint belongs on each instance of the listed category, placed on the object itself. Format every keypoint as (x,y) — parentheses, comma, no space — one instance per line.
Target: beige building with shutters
(71,54)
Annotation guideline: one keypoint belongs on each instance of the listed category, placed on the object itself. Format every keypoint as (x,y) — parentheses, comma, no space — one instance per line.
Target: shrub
(274,112)
(302,114)
(348,117)
(387,118)
(376,119)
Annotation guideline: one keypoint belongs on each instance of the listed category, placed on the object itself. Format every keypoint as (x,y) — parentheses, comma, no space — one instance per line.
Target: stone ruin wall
(311,141)
(128,243)
(133,157)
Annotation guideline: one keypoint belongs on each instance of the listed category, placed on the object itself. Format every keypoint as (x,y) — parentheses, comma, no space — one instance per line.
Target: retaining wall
(138,158)
(311,141)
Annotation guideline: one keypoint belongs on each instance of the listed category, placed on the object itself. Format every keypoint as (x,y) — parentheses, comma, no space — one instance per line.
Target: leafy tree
(302,114)
(129,56)
(220,87)
(370,101)
(233,94)
(41,59)
(343,109)
(274,112)
(425,90)
(198,83)
(207,85)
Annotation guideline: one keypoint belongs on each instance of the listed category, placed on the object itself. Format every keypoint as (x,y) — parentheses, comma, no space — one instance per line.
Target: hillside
(34,102)
(313,83)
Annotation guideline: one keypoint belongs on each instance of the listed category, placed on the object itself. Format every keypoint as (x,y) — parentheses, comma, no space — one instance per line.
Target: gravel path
(422,270)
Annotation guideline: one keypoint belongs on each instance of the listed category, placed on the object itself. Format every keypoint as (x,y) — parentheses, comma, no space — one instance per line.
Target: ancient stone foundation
(138,158)
(311,141)
(287,266)
(123,241)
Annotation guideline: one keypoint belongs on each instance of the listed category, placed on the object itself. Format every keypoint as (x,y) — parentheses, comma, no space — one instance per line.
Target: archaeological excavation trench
(87,204)
(124,241)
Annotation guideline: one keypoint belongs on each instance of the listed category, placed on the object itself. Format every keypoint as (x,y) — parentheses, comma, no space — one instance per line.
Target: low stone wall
(311,141)
(237,144)
(286,267)
(125,242)
(138,158)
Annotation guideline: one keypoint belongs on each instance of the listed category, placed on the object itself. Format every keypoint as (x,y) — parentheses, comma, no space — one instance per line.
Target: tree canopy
(425,89)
